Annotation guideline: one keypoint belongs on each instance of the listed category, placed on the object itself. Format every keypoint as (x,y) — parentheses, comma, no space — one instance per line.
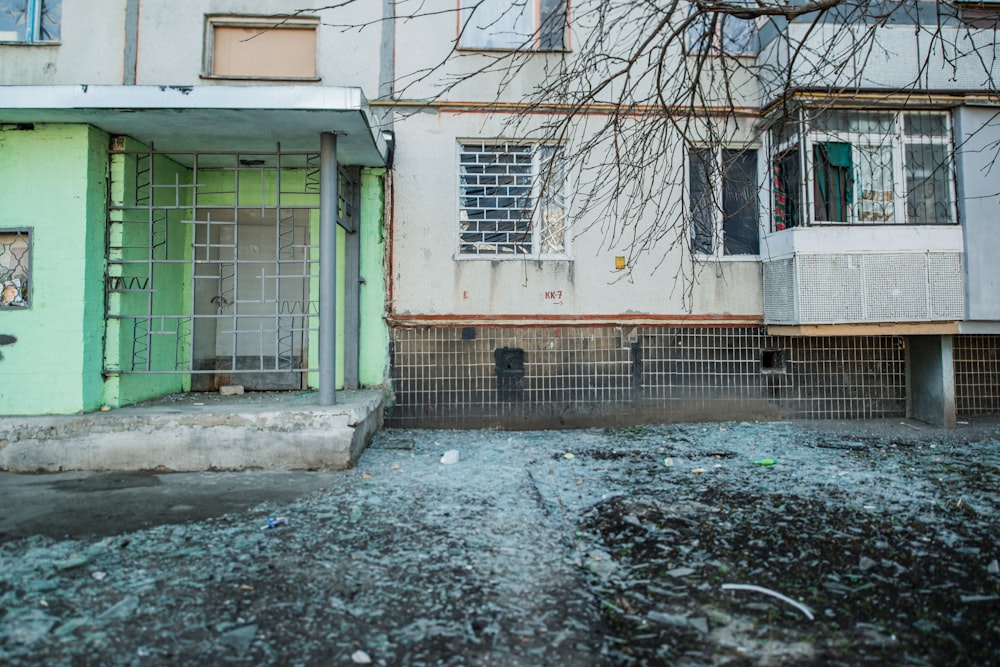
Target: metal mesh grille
(895,287)
(779,291)
(212,264)
(450,376)
(977,375)
(947,289)
(830,288)
(881,287)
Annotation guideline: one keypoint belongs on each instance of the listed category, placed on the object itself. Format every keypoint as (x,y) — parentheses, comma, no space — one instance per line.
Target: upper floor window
(30,21)
(864,167)
(511,200)
(254,47)
(717,34)
(511,25)
(722,188)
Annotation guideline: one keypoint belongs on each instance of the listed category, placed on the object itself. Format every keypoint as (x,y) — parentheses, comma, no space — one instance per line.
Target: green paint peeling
(374,343)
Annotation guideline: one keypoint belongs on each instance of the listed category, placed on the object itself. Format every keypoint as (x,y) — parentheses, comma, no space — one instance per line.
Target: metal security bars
(15,268)
(863,167)
(213,264)
(511,200)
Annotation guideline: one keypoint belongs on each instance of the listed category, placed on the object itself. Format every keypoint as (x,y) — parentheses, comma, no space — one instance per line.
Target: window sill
(726,258)
(233,77)
(512,258)
(488,49)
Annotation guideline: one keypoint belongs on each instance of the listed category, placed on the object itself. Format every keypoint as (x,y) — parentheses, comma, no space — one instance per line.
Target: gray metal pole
(328,269)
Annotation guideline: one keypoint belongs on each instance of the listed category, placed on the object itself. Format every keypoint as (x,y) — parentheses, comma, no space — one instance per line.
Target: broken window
(30,21)
(15,268)
(866,167)
(723,199)
(528,25)
(511,200)
(254,48)
(716,34)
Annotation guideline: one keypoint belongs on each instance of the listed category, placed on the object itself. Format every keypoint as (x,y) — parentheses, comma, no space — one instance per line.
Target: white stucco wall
(429,280)
(892,57)
(90,49)
(172,40)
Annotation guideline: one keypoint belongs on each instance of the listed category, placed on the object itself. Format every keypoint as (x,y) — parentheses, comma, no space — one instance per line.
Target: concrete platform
(199,431)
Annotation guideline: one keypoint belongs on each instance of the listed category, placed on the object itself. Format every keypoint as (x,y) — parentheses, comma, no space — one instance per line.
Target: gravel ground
(867,543)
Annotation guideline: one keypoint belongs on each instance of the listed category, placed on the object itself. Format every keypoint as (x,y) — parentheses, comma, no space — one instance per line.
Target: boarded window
(243,49)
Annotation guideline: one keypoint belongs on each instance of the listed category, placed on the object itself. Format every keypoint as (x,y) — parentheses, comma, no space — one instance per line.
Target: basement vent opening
(773,362)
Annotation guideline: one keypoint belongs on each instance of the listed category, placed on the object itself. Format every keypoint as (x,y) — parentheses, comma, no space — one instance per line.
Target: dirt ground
(774,543)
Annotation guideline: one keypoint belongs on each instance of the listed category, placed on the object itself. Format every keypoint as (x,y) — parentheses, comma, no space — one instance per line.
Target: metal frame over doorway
(214,264)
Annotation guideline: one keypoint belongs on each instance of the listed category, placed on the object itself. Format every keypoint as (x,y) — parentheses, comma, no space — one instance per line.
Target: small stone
(866,563)
(231,390)
(993,567)
(450,457)
(361,658)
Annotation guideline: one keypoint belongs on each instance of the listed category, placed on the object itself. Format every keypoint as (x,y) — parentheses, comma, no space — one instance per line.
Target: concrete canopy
(209,119)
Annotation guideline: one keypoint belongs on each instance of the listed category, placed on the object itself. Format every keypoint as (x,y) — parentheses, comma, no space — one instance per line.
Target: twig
(767,591)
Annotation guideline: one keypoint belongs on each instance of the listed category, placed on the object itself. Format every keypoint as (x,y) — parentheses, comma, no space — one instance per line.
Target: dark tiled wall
(575,376)
(977,375)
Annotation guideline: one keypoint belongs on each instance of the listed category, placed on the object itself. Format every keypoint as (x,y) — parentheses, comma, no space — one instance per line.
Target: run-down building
(190,198)
(832,257)
(167,177)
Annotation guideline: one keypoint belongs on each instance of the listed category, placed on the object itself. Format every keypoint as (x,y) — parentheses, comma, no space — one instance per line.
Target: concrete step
(199,431)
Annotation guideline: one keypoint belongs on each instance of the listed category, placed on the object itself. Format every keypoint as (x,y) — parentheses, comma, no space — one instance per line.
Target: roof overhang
(211,118)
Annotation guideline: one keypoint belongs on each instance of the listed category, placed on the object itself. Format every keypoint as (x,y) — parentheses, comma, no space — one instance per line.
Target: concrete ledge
(193,432)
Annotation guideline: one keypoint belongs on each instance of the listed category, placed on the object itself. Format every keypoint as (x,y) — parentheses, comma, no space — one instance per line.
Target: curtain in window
(834,180)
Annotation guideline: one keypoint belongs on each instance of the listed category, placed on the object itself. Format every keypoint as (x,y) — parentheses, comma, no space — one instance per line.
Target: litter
(450,457)
(361,658)
(276,521)
(775,594)
(569,456)
(764,462)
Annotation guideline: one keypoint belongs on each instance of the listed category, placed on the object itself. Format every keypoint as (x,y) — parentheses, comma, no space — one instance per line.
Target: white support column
(328,269)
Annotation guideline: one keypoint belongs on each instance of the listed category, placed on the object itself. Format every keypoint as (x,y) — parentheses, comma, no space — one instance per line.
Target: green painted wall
(128,239)
(52,182)
(314,288)
(374,343)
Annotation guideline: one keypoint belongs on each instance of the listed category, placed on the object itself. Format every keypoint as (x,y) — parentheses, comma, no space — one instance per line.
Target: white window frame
(895,139)
(213,21)
(477,17)
(33,29)
(537,183)
(716,201)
